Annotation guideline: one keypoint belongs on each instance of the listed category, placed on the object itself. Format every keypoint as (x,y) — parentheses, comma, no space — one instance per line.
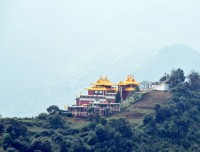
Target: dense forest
(173,127)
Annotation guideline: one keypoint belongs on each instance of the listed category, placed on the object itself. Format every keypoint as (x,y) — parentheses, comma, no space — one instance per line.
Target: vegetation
(174,127)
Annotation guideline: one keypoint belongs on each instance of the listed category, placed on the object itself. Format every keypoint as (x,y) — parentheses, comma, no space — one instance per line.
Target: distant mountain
(168,58)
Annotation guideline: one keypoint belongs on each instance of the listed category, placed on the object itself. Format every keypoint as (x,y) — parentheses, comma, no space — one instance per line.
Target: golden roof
(129,89)
(96,88)
(121,83)
(101,89)
(103,81)
(129,80)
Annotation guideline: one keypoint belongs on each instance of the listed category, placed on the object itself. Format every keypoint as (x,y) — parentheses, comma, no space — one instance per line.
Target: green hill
(165,122)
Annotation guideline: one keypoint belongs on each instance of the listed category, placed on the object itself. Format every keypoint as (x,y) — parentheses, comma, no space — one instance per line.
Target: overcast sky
(64,25)
(46,34)
(40,38)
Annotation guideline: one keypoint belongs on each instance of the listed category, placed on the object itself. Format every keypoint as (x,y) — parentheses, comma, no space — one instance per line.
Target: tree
(10,129)
(79,146)
(56,121)
(100,132)
(147,119)
(46,147)
(11,149)
(20,130)
(103,121)
(164,78)
(194,80)
(21,144)
(36,145)
(161,113)
(7,140)
(53,109)
(63,147)
(118,97)
(176,77)
(42,116)
(1,127)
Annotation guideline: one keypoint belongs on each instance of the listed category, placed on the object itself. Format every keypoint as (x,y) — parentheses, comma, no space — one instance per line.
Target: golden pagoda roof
(93,88)
(96,88)
(129,89)
(103,81)
(129,80)
(122,83)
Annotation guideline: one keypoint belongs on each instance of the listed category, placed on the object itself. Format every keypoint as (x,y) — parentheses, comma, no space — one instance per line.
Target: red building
(102,91)
(101,97)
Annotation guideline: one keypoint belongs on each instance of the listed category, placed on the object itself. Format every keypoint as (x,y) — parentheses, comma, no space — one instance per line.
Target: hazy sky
(63,25)
(46,34)
(41,39)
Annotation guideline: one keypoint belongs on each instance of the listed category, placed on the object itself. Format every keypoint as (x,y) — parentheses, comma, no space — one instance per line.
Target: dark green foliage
(63,147)
(164,78)
(103,121)
(147,119)
(55,121)
(176,77)
(7,141)
(118,97)
(36,144)
(94,115)
(11,149)
(1,127)
(47,146)
(194,81)
(80,146)
(53,109)
(137,88)
(42,116)
(21,144)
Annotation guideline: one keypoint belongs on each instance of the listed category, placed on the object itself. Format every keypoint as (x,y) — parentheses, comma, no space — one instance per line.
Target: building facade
(102,91)
(127,87)
(101,96)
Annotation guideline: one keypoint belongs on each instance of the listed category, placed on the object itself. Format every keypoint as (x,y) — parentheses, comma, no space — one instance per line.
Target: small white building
(161,87)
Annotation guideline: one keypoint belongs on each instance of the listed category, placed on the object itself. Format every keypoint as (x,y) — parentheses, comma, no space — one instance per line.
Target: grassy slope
(138,110)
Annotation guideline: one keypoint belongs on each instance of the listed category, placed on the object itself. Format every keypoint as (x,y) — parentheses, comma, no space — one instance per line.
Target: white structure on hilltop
(149,86)
(161,87)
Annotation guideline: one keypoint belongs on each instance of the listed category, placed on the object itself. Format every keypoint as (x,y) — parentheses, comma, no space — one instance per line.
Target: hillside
(153,121)
(136,112)
(173,127)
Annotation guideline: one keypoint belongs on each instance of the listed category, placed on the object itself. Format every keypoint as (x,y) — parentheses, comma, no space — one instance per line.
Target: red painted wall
(90,92)
(81,102)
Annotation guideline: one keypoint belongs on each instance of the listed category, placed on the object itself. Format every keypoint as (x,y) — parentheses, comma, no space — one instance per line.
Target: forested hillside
(172,127)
